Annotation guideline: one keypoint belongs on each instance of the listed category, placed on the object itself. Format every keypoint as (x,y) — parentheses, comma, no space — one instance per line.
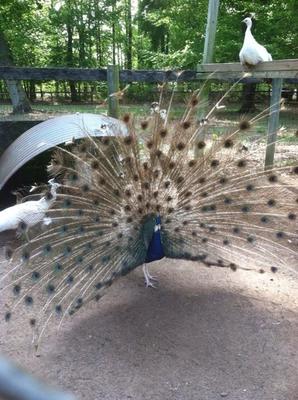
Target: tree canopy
(140,34)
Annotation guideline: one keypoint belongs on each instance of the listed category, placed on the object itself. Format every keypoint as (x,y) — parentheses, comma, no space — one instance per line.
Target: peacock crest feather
(220,209)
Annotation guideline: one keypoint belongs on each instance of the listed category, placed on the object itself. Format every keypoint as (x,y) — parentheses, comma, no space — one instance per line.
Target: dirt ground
(204,334)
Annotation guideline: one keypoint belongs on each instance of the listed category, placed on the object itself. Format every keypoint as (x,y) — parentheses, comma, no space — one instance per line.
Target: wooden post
(273,122)
(207,58)
(113,87)
(210,31)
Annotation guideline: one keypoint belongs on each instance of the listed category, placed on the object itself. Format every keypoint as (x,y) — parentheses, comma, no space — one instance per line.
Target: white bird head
(248,21)
(53,183)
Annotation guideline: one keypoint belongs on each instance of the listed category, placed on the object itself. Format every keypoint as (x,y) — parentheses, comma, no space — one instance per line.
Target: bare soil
(204,334)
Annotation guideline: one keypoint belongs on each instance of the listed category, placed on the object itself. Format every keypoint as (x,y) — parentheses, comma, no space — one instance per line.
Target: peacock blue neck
(155,247)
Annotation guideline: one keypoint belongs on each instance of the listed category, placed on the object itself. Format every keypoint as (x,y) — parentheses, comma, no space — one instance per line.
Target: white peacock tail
(220,209)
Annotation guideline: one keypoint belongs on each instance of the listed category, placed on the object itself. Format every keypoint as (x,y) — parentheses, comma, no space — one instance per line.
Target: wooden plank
(273,123)
(278,65)
(55,74)
(113,87)
(227,71)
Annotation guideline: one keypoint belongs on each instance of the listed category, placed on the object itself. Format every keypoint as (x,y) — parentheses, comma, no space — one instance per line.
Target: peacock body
(129,200)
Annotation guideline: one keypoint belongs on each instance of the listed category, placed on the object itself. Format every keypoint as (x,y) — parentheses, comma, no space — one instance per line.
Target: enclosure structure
(276,72)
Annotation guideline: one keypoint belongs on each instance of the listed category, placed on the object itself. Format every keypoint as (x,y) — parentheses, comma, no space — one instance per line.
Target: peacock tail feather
(219,208)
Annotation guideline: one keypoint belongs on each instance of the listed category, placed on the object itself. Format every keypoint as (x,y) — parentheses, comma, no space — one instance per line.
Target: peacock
(126,201)
(252,52)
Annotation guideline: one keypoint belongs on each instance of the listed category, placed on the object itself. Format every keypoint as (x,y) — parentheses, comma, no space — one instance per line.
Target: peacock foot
(149,279)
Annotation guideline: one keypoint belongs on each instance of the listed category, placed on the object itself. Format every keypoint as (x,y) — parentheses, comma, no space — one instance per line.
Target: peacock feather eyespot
(156,173)
(274,269)
(85,188)
(7,316)
(47,249)
(128,193)
(16,289)
(58,308)
(233,267)
(241,163)
(180,180)
(170,210)
(28,300)
(163,133)
(8,253)
(95,164)
(158,153)
(280,235)
(180,146)
(245,209)
(169,198)
(167,184)
(202,180)
(227,200)
(112,212)
(129,220)
(35,276)
(177,229)
(244,125)
(291,216)
(261,271)
(50,288)
(149,144)
(225,242)
(186,124)
(79,259)
(158,207)
(250,187)
(172,165)
(32,322)
(80,212)
(204,194)
(192,163)
(204,240)
(272,178)
(69,279)
(250,239)
(212,229)
(236,230)
(295,170)
(128,140)
(135,177)
(194,101)
(187,207)
(184,223)
(223,180)
(98,286)
(201,144)
(194,233)
(271,203)
(146,185)
(58,267)
(214,163)
(115,224)
(264,219)
(102,181)
(67,203)
(25,255)
(127,208)
(144,124)
(228,143)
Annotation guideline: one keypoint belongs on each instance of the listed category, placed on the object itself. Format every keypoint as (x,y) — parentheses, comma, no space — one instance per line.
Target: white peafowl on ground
(252,52)
(25,215)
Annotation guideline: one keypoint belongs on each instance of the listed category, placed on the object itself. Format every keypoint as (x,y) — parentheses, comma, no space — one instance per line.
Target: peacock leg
(148,277)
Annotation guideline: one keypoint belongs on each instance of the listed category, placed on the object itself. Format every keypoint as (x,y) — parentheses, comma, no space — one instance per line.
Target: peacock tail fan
(220,208)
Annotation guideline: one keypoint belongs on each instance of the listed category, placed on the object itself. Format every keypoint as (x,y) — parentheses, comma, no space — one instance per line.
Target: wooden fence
(277,71)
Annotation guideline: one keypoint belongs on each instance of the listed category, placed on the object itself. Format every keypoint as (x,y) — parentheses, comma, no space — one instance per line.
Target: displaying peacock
(126,201)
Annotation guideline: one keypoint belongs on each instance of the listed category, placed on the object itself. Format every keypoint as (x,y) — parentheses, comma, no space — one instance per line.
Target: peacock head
(248,22)
(53,184)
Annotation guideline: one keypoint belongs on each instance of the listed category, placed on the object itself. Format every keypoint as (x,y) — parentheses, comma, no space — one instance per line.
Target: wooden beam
(273,123)
(286,69)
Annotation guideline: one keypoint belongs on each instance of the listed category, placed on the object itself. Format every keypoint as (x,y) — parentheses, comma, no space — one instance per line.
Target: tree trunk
(69,62)
(129,36)
(19,100)
(248,98)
